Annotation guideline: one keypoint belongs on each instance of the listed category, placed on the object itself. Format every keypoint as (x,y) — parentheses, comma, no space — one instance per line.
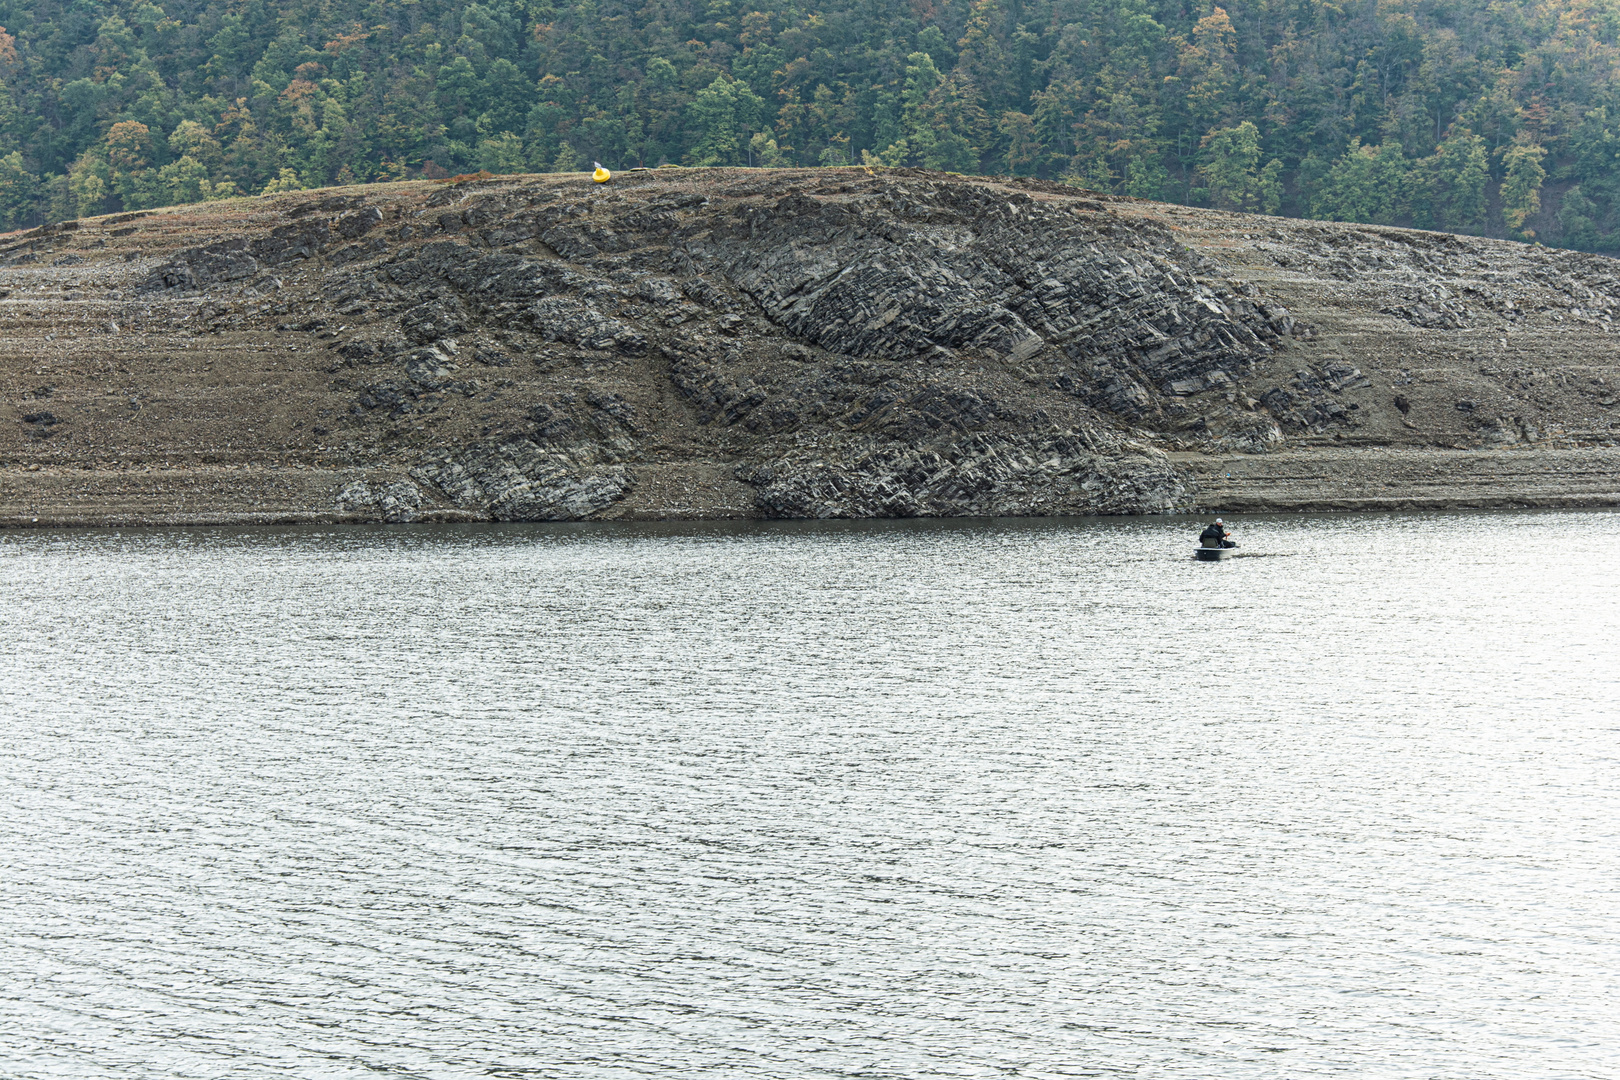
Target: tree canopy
(1495,117)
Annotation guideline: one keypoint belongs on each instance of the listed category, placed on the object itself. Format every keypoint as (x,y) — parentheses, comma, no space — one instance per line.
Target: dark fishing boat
(1214,554)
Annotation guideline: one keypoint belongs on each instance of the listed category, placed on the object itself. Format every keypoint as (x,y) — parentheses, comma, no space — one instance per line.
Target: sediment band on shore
(785,343)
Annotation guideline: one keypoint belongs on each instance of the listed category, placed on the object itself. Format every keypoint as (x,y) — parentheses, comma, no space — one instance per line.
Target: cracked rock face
(970,271)
(398,502)
(519,481)
(978,476)
(851,318)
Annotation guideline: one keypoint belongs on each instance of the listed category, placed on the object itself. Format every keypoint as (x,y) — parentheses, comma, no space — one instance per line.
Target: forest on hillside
(1491,117)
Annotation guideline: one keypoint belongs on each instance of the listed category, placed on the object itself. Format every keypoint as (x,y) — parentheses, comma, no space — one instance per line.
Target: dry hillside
(759,343)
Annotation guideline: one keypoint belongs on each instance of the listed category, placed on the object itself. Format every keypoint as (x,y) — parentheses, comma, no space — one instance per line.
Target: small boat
(1213,554)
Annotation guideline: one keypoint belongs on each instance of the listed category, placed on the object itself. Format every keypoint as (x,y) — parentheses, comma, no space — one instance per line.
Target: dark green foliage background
(1496,118)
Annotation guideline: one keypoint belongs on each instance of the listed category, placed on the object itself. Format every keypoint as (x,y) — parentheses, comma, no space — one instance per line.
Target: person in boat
(1215,535)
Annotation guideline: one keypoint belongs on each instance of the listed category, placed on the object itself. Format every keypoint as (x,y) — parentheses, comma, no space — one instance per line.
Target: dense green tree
(1448,187)
(723,115)
(1368,184)
(942,123)
(19,191)
(1231,169)
(502,154)
(1368,110)
(1577,216)
(1023,147)
(1521,186)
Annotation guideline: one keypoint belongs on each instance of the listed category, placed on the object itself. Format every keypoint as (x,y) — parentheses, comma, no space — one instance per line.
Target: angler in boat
(1214,542)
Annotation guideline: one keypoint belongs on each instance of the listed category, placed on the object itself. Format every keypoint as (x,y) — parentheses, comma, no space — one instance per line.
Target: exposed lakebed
(895,799)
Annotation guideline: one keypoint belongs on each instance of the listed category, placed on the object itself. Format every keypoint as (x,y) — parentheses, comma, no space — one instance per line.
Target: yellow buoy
(601,175)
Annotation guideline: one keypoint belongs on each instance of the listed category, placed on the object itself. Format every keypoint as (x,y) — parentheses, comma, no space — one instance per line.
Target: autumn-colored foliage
(1474,115)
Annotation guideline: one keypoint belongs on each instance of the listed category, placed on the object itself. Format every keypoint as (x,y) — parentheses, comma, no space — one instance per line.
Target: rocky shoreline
(790,344)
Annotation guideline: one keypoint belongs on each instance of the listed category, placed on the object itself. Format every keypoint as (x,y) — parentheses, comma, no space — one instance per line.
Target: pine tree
(722,116)
(1230,165)
(1521,189)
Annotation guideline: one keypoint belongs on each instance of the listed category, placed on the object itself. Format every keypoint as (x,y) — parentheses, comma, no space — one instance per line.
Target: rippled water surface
(883,800)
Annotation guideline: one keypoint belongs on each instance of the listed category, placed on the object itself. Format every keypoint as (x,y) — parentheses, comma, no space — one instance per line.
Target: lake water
(898,799)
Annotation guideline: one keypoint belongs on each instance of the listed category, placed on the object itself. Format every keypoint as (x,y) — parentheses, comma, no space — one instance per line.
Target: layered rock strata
(815,343)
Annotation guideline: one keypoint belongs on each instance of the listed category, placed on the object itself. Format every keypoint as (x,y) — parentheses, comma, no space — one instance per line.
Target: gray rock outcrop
(780,343)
